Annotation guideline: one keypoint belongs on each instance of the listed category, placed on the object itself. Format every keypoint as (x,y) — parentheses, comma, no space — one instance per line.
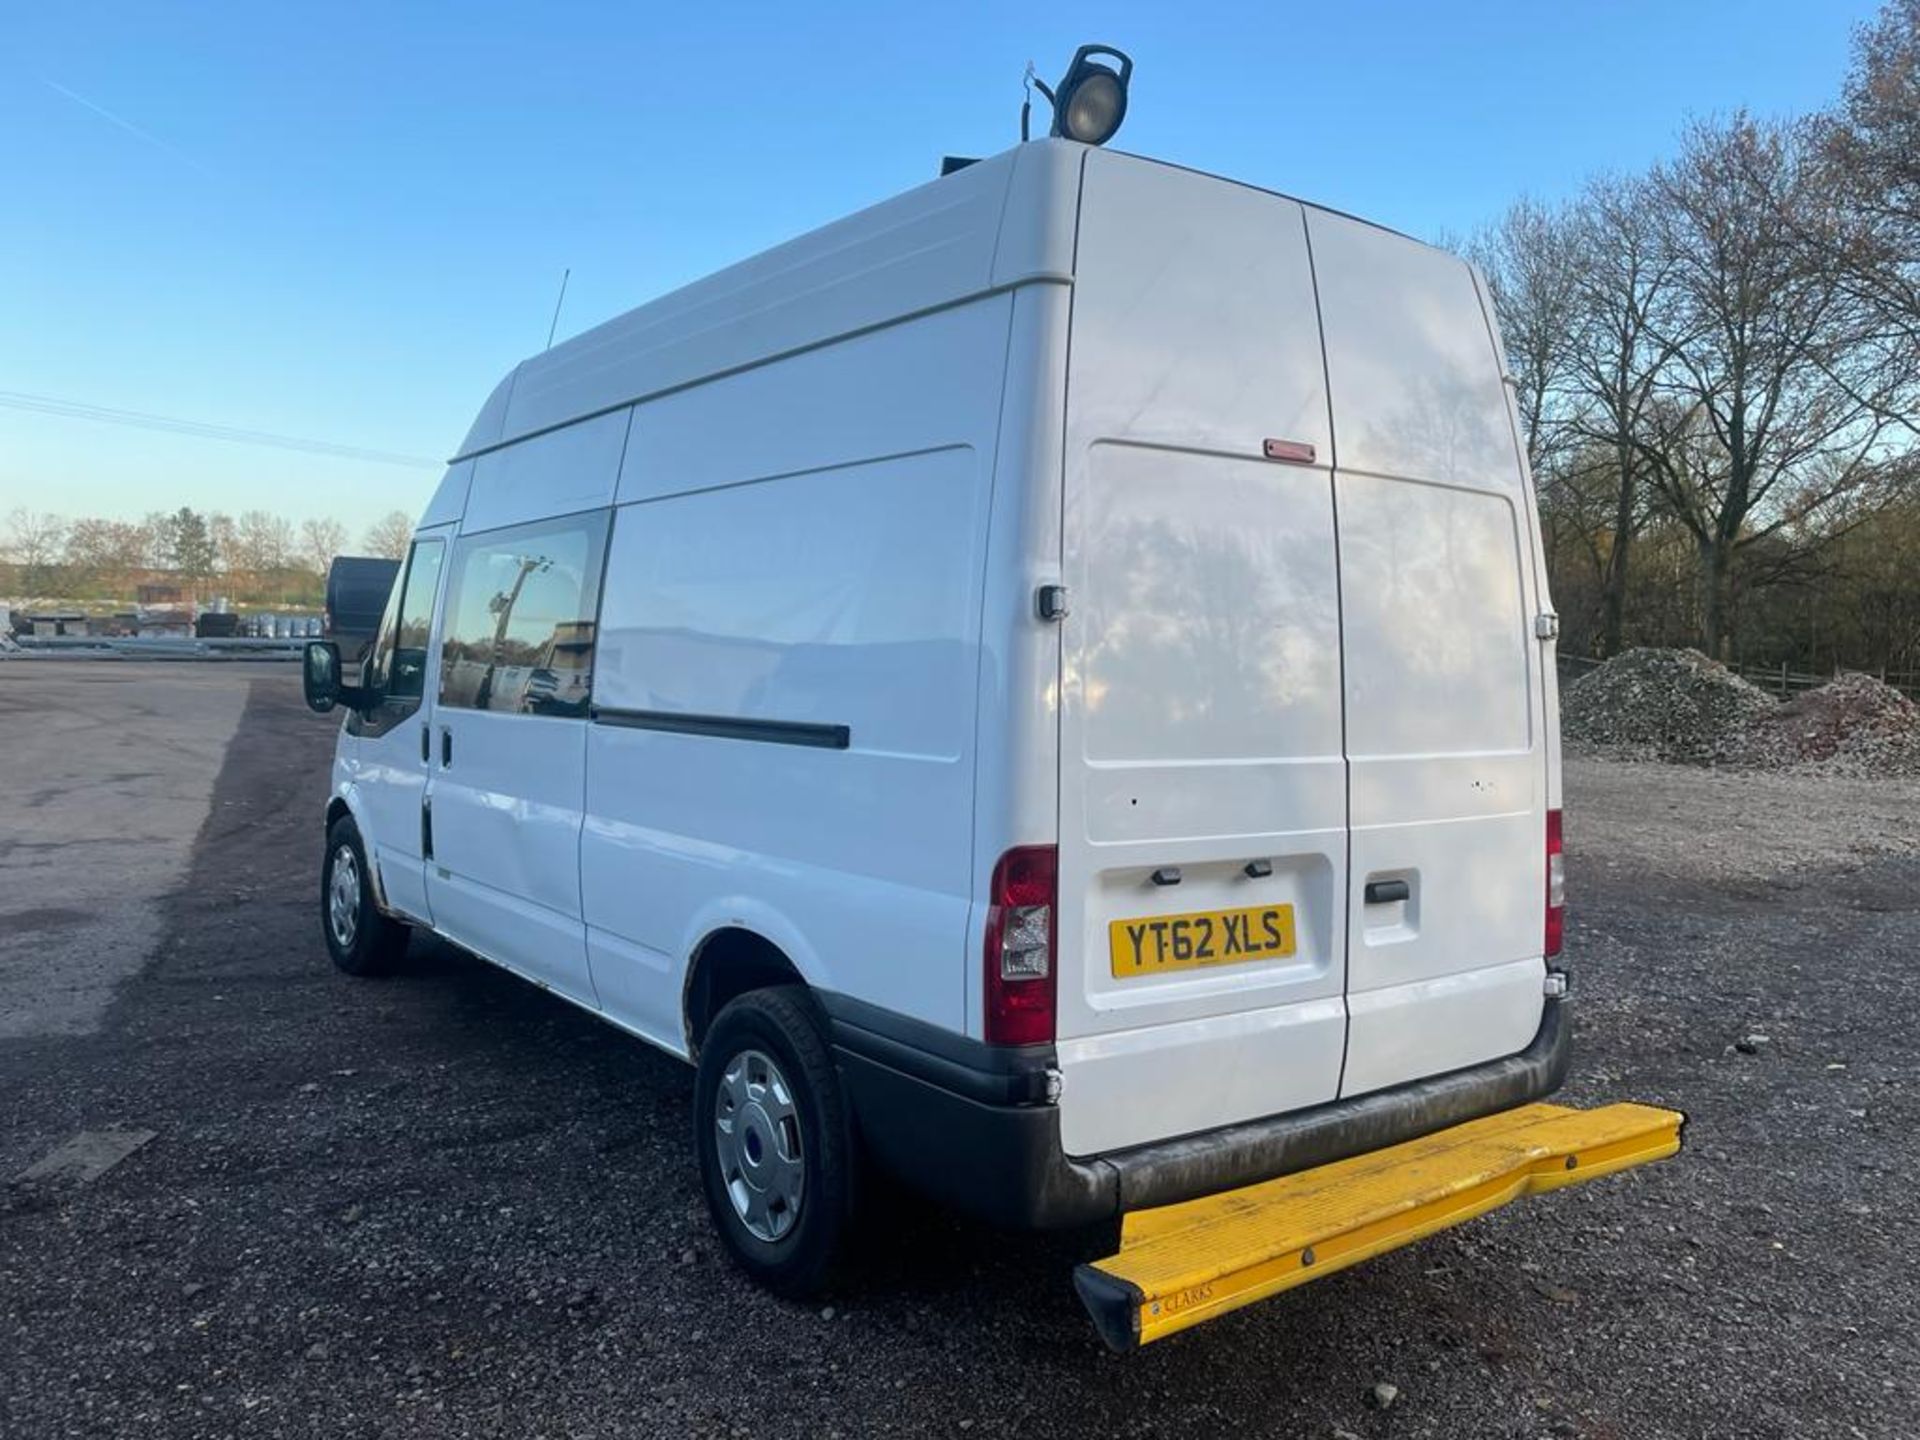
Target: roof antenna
(1026,105)
(564,275)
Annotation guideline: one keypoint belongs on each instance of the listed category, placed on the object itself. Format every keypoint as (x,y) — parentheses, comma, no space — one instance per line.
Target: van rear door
(1203,830)
(1446,737)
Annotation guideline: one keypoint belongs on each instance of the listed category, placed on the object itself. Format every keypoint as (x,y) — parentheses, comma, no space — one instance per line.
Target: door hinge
(1546,626)
(1050,602)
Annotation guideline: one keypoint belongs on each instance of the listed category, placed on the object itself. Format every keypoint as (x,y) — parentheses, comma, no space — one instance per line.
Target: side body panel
(789,649)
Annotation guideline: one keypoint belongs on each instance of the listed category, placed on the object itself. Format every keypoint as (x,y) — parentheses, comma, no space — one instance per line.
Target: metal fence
(153,647)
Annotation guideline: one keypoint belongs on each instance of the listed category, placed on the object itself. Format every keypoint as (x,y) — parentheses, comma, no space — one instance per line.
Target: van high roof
(1005,221)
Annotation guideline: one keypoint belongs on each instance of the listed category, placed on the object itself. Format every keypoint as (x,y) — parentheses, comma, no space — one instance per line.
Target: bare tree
(158,527)
(320,541)
(34,543)
(1529,261)
(1614,363)
(1872,143)
(1532,267)
(223,534)
(1772,411)
(390,535)
(1574,289)
(261,542)
(107,552)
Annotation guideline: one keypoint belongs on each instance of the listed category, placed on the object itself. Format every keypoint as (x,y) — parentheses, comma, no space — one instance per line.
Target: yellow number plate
(1156,944)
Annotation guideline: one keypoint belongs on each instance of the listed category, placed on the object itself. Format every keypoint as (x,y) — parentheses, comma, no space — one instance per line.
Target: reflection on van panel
(1217,573)
(820,671)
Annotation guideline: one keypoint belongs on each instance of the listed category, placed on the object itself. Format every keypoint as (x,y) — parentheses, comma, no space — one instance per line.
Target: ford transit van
(1045,686)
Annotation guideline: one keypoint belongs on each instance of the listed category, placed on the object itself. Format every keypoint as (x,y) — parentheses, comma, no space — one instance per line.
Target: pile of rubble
(1682,707)
(1854,724)
(1674,705)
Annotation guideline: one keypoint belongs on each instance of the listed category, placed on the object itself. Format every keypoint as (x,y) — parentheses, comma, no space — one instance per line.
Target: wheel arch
(730,960)
(345,805)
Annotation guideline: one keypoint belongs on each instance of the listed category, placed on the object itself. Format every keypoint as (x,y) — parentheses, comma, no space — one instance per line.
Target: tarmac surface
(107,772)
(270,1200)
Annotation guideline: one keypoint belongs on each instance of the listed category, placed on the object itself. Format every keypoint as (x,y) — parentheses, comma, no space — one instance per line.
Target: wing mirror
(321,680)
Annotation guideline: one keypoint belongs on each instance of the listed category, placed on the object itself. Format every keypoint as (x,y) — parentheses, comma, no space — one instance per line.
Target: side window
(398,667)
(400,664)
(520,618)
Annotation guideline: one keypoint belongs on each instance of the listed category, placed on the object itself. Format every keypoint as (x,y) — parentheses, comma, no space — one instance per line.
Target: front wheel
(360,939)
(771,1131)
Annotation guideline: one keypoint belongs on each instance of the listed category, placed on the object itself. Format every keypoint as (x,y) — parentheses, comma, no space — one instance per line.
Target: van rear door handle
(1385,892)
(446,747)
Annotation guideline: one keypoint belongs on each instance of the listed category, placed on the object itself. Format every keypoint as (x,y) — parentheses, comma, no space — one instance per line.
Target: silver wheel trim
(756,1132)
(343,897)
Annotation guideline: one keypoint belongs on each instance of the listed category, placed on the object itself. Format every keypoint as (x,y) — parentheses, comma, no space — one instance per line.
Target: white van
(1046,685)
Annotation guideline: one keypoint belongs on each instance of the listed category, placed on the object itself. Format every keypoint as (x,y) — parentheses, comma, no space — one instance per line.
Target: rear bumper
(970,1123)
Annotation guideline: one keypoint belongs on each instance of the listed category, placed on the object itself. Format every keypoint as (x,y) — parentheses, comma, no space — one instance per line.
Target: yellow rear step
(1183,1264)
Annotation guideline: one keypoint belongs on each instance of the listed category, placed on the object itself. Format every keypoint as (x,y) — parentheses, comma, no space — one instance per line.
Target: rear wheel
(771,1132)
(360,939)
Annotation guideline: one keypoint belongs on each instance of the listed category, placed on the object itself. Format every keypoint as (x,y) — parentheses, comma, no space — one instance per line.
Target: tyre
(775,1146)
(360,939)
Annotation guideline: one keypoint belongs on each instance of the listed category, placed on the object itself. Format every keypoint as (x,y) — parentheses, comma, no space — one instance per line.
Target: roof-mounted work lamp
(1091,101)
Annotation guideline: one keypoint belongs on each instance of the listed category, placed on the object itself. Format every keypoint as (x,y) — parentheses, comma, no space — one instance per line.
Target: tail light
(1556,886)
(1020,973)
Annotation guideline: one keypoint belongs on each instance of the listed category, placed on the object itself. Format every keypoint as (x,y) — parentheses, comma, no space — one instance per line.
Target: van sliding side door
(509,746)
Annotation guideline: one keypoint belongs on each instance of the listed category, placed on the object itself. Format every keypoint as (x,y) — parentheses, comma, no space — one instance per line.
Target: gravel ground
(448,1205)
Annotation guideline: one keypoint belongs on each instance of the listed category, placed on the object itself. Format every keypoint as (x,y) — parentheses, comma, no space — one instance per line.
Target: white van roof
(1003,222)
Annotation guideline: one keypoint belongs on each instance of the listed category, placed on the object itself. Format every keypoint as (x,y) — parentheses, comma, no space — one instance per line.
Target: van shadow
(906,1248)
(532,1103)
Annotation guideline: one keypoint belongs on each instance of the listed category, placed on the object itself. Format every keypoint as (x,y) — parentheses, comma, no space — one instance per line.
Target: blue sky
(346,221)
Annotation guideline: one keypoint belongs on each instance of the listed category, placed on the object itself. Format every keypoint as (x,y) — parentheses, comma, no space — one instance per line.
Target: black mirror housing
(321,681)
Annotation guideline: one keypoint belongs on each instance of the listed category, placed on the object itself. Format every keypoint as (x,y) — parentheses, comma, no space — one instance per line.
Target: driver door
(388,762)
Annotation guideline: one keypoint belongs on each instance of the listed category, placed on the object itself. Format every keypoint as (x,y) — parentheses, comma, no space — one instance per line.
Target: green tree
(189,546)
